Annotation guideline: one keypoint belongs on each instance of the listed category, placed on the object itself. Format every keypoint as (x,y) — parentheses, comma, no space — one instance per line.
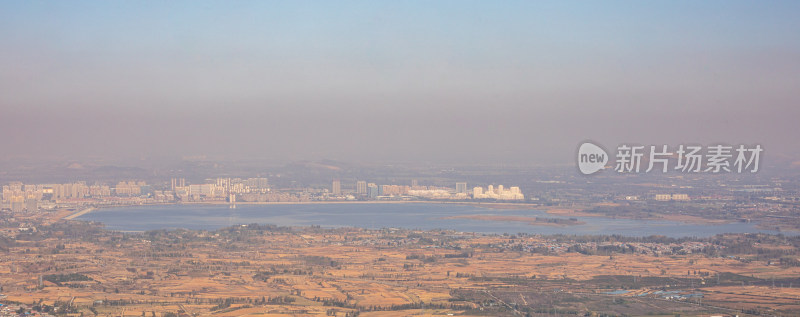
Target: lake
(389,215)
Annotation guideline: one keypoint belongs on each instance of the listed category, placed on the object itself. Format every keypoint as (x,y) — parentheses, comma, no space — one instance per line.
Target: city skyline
(18,197)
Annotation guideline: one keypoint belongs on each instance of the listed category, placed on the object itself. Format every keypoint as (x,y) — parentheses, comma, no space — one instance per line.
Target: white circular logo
(591,158)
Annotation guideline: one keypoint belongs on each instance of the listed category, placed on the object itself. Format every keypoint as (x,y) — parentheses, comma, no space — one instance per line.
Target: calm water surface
(378,215)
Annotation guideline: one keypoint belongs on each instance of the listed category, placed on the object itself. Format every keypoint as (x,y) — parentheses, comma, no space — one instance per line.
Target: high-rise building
(58,191)
(31,204)
(259,183)
(17,204)
(393,190)
(128,188)
(336,187)
(499,193)
(361,187)
(461,188)
(11,190)
(99,191)
(372,190)
(414,183)
(178,182)
(477,192)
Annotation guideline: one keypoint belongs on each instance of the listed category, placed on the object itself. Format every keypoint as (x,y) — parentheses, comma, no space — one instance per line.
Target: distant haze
(367,81)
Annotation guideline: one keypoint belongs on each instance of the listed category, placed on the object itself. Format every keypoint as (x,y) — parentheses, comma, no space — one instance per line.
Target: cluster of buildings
(19,197)
(364,190)
(668,197)
(662,197)
(499,193)
(223,189)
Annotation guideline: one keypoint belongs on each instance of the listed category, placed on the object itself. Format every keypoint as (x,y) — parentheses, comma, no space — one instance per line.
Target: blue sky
(380,80)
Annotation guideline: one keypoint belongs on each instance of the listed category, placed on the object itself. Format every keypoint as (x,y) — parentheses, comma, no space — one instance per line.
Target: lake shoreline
(419,215)
(577,211)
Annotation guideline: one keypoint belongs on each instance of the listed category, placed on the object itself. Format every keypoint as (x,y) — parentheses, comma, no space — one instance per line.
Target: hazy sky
(443,81)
